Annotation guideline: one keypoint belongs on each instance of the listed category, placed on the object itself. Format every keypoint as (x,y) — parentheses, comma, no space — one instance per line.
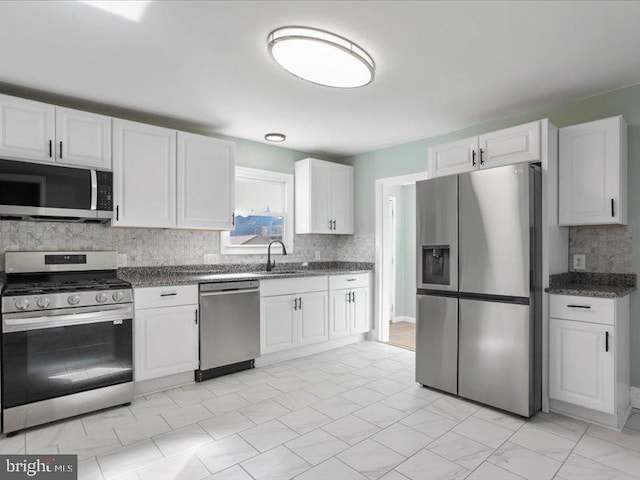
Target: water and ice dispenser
(435,264)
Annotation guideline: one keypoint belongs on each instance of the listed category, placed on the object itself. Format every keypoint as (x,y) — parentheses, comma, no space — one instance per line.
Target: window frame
(256,174)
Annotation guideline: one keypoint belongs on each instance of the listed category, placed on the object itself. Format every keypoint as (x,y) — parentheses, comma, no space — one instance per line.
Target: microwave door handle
(94,190)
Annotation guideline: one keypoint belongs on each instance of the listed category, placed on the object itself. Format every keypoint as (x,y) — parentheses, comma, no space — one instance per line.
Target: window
(263,213)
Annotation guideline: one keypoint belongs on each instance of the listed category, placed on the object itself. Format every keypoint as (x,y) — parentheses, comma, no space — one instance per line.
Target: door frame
(382,257)
(393,244)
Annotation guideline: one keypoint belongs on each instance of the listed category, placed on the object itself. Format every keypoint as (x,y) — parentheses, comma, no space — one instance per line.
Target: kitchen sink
(283,272)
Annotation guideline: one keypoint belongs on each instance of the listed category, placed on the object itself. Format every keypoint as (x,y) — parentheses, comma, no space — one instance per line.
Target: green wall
(412,157)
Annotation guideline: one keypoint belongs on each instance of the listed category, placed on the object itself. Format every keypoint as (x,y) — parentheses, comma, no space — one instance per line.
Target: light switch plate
(122,260)
(316,255)
(579,262)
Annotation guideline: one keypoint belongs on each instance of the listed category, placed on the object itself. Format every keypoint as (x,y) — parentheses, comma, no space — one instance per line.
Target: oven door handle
(20,322)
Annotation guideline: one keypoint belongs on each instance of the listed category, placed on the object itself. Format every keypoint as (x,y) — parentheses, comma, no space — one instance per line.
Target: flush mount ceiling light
(275,137)
(321,57)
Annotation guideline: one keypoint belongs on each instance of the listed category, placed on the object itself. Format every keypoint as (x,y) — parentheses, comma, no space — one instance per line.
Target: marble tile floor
(350,413)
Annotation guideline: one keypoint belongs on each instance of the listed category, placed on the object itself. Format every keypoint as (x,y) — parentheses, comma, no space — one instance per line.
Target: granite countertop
(592,284)
(194,274)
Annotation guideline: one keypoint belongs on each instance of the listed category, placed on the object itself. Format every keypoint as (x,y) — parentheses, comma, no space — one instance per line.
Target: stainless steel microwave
(35,191)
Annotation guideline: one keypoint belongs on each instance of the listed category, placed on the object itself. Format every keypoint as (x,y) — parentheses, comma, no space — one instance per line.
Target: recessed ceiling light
(321,57)
(275,137)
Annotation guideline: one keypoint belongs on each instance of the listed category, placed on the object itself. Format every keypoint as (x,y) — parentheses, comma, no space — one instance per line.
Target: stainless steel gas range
(67,336)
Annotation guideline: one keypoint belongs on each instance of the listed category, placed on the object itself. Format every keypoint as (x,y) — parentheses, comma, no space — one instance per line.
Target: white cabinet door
(581,367)
(166,341)
(320,198)
(339,313)
(342,199)
(360,310)
(144,175)
(278,323)
(593,173)
(27,129)
(453,158)
(512,145)
(83,139)
(206,182)
(313,317)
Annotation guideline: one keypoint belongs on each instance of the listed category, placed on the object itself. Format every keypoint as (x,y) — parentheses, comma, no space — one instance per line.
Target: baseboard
(635,397)
(404,319)
(276,357)
(147,387)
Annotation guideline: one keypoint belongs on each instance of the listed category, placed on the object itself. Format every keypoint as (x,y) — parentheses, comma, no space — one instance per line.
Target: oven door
(36,190)
(60,352)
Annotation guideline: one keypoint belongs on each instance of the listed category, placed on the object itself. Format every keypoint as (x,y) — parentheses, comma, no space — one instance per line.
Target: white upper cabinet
(83,139)
(324,195)
(206,179)
(512,145)
(495,149)
(27,129)
(342,199)
(593,173)
(453,157)
(144,175)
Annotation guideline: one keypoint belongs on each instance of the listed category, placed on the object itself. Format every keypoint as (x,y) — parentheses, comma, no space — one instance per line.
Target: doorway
(396,260)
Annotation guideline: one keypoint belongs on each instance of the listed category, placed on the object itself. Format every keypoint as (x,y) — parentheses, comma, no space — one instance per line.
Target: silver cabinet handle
(606,342)
(168,294)
(196,317)
(579,306)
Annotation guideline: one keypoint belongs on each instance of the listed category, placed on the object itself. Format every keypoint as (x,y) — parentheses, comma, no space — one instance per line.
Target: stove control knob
(101,297)
(73,299)
(44,302)
(118,296)
(22,303)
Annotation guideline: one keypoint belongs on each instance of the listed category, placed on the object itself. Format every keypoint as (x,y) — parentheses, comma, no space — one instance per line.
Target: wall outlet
(210,258)
(579,262)
(316,255)
(122,260)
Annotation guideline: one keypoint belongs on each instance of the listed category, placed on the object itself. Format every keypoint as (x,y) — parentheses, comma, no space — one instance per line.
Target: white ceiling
(441,66)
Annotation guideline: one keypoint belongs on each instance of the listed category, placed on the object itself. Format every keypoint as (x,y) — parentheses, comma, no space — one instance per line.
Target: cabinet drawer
(153,297)
(585,309)
(339,282)
(292,286)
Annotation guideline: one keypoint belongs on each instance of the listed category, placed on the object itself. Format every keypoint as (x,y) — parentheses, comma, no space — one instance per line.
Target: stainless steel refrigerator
(479,286)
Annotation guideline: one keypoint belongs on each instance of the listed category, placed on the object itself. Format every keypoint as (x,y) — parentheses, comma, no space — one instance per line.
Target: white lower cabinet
(350,310)
(340,308)
(350,305)
(296,312)
(360,311)
(288,321)
(313,313)
(165,337)
(583,368)
(278,323)
(589,358)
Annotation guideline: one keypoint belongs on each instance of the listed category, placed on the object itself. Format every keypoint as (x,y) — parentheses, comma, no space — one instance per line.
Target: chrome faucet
(284,252)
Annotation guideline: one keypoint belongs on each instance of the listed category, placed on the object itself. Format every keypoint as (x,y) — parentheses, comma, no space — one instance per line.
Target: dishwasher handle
(232,291)
(229,287)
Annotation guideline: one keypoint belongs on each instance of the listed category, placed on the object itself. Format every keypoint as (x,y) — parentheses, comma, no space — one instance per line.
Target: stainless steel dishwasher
(229,327)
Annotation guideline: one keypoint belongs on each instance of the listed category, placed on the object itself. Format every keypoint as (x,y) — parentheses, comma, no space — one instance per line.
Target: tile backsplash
(158,247)
(608,249)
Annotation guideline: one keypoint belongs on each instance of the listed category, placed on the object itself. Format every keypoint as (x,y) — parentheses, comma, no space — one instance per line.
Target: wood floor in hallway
(403,335)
